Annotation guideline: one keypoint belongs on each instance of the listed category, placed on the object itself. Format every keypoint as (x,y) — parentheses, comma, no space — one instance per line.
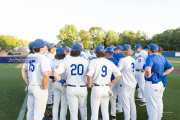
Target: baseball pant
(100,96)
(154,102)
(128,103)
(77,99)
(36,103)
(141,83)
(50,92)
(59,98)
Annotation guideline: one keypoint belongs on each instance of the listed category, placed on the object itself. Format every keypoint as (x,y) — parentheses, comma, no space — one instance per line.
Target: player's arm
(168,68)
(24,73)
(148,66)
(59,70)
(90,73)
(45,80)
(117,74)
(46,70)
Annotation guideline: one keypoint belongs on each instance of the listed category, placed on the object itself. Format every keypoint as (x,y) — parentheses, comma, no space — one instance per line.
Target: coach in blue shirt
(157,68)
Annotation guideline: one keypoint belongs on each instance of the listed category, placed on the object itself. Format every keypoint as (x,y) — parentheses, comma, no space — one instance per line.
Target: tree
(111,38)
(85,38)
(97,35)
(68,34)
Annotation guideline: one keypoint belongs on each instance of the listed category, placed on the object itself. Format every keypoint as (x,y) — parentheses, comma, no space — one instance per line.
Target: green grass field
(12,95)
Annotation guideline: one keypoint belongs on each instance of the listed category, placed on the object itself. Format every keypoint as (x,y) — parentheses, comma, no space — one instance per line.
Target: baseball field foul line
(23,110)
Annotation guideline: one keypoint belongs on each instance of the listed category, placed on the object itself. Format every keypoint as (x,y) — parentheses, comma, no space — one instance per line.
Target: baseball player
(140,57)
(75,68)
(36,71)
(156,69)
(128,84)
(59,88)
(50,55)
(99,76)
(118,54)
(109,55)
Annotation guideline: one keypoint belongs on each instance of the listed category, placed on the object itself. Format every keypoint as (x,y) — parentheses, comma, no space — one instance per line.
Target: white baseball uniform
(127,90)
(50,57)
(75,69)
(59,93)
(139,72)
(37,97)
(101,69)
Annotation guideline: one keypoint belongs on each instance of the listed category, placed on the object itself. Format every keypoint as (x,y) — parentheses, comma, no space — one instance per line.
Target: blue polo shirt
(158,65)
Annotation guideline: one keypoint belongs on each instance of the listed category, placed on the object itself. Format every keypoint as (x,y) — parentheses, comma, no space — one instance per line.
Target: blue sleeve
(149,62)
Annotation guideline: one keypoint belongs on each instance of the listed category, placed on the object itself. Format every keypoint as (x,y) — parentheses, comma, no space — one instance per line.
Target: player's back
(140,59)
(34,69)
(76,68)
(127,68)
(102,69)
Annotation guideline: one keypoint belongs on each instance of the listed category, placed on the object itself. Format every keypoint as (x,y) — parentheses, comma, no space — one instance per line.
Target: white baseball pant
(50,92)
(154,101)
(141,83)
(100,96)
(128,102)
(77,100)
(36,103)
(59,98)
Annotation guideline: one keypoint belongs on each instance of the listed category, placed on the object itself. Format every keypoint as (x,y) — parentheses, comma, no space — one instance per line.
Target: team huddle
(61,76)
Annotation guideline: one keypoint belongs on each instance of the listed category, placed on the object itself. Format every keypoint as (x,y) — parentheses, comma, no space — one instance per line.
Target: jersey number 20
(77,69)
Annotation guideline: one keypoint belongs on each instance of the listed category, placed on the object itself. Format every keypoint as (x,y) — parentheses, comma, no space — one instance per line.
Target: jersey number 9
(104,71)
(77,69)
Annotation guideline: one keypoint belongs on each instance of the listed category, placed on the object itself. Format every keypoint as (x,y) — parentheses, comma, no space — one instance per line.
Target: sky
(31,19)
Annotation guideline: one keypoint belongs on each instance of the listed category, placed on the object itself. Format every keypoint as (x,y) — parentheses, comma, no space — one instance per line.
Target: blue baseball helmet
(59,51)
(109,50)
(99,48)
(153,47)
(39,43)
(126,47)
(137,46)
(76,47)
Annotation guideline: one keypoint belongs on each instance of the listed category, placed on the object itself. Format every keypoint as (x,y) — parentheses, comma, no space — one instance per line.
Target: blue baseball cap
(99,48)
(153,47)
(39,43)
(51,45)
(59,51)
(137,46)
(76,47)
(30,46)
(126,47)
(120,47)
(109,50)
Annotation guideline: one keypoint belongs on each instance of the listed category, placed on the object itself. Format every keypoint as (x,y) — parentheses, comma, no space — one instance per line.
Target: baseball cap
(126,47)
(76,47)
(109,50)
(99,48)
(137,46)
(30,46)
(153,47)
(59,51)
(51,45)
(39,43)
(120,47)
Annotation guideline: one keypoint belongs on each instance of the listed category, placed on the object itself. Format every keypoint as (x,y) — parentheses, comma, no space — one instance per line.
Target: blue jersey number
(31,66)
(77,69)
(132,65)
(104,71)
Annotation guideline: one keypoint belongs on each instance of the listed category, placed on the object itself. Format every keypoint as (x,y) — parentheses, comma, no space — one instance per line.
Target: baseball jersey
(158,65)
(101,69)
(127,68)
(36,65)
(140,59)
(75,69)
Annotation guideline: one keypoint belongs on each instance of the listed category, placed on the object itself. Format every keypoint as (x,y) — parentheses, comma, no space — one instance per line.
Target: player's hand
(89,85)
